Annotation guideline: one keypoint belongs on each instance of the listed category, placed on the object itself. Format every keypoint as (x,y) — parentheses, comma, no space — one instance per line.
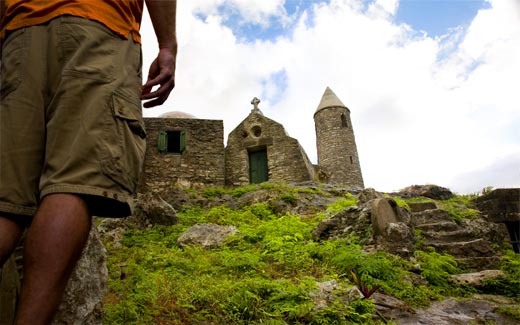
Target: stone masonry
(286,159)
(258,150)
(201,163)
(503,206)
(338,159)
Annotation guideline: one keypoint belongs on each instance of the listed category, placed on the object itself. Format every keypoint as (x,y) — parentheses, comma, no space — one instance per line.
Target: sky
(432,85)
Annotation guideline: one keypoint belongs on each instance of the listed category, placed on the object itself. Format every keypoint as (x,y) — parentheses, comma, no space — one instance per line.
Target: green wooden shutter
(162,141)
(182,141)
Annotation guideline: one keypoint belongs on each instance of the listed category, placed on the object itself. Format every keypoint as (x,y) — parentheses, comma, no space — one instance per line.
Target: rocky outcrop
(206,235)
(479,309)
(430,191)
(471,241)
(378,221)
(475,279)
(82,303)
(151,209)
(351,221)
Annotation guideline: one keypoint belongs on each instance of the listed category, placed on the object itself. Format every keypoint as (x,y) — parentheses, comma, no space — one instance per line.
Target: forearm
(163,16)
(2,10)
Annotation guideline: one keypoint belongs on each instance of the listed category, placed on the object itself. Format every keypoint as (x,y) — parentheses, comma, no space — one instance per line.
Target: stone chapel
(188,152)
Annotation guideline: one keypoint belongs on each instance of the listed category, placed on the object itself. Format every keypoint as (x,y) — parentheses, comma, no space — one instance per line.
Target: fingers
(166,82)
(162,74)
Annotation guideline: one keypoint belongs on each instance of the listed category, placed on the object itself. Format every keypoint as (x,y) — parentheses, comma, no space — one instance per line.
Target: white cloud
(424,109)
(258,12)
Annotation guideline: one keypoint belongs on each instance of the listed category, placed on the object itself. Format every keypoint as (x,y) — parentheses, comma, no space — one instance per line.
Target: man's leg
(10,233)
(53,245)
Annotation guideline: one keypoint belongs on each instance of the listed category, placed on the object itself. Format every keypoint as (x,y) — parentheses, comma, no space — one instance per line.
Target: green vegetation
(267,272)
(460,207)
(512,312)
(509,285)
(348,201)
(211,192)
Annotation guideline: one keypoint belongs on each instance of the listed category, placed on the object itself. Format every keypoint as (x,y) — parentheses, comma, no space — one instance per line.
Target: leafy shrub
(342,204)
(460,207)
(264,274)
(509,285)
(288,197)
(436,268)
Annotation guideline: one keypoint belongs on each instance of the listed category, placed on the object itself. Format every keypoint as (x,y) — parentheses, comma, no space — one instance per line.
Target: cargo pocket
(125,166)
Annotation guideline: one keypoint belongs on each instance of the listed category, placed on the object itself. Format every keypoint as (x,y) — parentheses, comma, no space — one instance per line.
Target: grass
(265,275)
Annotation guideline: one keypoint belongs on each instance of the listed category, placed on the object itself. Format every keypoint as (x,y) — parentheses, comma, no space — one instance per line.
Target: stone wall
(201,163)
(338,159)
(286,159)
(503,206)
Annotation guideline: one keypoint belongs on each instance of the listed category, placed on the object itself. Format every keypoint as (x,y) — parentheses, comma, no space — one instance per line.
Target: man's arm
(2,13)
(162,70)
(2,9)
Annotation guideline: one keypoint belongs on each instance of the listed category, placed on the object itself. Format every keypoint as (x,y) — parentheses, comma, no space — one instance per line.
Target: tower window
(171,141)
(351,160)
(344,122)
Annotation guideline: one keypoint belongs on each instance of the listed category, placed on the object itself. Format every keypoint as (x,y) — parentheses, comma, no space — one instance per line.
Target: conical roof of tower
(329,99)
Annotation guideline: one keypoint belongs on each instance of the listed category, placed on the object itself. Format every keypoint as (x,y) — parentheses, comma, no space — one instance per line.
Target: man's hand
(162,71)
(162,74)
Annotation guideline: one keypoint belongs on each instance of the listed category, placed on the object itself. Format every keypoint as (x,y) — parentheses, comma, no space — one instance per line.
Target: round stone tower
(338,159)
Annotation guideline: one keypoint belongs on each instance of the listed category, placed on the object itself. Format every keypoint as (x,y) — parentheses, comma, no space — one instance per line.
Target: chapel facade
(188,152)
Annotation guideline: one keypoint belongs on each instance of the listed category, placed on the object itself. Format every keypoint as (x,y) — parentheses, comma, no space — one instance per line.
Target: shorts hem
(17,210)
(82,189)
(114,204)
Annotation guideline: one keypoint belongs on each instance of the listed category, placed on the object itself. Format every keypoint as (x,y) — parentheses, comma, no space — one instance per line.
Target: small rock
(369,194)
(206,235)
(475,279)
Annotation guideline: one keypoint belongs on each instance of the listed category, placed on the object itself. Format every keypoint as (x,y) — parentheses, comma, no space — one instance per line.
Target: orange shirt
(121,16)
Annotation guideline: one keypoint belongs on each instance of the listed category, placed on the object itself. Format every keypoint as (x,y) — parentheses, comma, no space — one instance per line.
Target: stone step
(473,248)
(458,235)
(478,263)
(438,226)
(430,216)
(421,206)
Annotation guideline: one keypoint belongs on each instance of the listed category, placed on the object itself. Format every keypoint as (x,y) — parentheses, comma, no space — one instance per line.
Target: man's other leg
(53,245)
(10,233)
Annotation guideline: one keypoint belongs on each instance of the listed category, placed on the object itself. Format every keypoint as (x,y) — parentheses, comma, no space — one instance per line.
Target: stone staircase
(471,242)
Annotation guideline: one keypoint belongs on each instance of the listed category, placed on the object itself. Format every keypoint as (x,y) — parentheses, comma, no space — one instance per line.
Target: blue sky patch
(274,86)
(437,17)
(247,31)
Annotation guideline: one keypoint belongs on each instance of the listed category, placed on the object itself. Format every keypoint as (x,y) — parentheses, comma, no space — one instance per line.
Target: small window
(256,130)
(344,122)
(171,141)
(351,160)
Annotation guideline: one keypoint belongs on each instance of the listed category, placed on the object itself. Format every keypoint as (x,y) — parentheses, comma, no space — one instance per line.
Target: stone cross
(255,103)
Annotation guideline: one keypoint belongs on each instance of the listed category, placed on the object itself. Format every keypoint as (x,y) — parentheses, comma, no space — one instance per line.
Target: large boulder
(151,209)
(430,191)
(82,303)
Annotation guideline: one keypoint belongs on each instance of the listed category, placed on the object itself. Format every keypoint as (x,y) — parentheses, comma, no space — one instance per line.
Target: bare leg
(52,247)
(10,233)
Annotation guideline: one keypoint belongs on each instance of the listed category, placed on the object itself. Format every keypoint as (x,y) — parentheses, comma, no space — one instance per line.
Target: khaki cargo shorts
(70,117)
